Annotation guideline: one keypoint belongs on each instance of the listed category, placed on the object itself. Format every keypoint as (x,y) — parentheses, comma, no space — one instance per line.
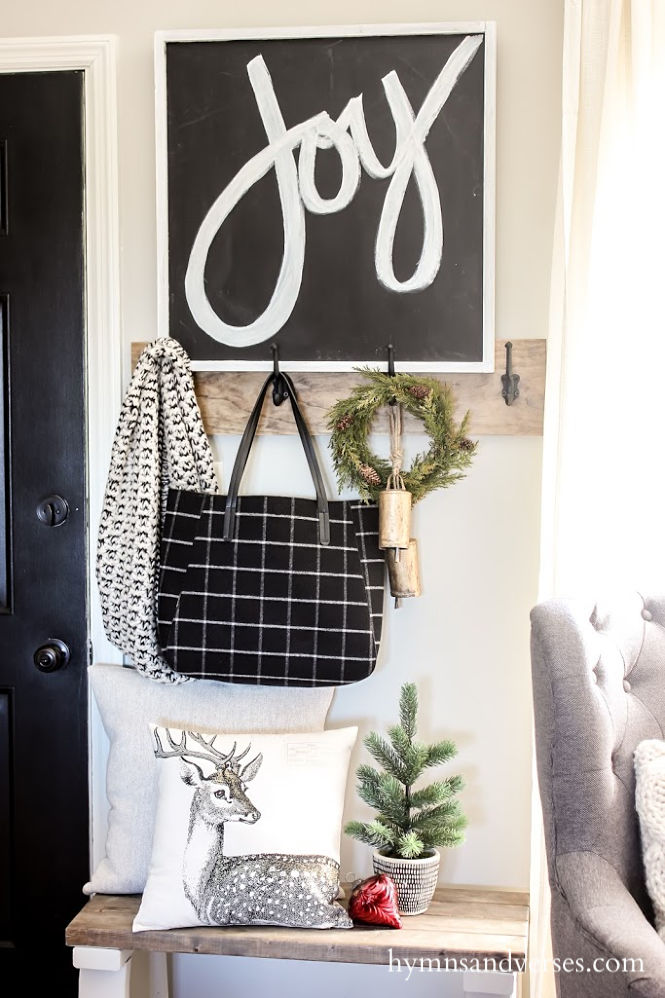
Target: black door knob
(53,511)
(51,656)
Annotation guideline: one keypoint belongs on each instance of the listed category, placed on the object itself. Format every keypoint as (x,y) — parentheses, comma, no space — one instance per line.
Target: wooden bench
(477,931)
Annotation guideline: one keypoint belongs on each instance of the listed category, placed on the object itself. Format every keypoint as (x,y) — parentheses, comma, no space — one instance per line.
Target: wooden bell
(403,571)
(394,518)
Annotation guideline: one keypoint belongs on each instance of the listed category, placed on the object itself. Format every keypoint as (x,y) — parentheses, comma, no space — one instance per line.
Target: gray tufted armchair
(599,689)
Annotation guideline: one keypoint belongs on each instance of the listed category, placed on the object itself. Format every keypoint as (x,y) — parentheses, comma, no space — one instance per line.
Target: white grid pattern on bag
(237,632)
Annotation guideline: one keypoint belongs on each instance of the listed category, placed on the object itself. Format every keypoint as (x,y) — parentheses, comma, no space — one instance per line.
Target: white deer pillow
(247,830)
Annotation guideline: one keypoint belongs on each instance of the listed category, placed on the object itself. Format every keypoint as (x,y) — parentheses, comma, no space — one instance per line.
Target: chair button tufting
(626,686)
(647,615)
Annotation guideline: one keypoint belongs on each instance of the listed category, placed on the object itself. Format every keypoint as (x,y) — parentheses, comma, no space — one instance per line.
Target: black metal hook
(391,360)
(280,392)
(509,380)
(391,367)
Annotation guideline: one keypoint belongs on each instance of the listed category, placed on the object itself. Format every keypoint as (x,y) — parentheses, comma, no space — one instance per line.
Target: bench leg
(159,975)
(489,984)
(103,973)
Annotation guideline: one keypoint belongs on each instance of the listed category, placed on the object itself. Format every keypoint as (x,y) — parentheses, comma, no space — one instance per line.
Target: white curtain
(603,512)
(604,461)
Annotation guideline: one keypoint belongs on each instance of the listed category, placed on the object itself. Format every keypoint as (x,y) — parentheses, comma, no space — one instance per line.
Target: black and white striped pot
(415,879)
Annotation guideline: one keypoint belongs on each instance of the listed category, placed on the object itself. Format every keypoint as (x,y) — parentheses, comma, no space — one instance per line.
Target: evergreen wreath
(408,823)
(350,422)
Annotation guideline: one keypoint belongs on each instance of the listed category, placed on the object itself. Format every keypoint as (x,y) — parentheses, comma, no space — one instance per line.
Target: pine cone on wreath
(344,423)
(371,476)
(419,391)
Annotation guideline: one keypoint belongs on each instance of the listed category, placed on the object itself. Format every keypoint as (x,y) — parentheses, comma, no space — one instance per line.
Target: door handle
(53,511)
(51,656)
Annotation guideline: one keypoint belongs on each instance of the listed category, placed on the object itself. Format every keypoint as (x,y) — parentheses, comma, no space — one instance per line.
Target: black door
(43,601)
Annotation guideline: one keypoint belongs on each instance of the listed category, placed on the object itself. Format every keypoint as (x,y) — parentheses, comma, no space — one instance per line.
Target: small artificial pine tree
(409,822)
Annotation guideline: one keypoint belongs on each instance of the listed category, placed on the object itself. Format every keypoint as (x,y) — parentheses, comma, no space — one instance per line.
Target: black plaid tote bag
(270,589)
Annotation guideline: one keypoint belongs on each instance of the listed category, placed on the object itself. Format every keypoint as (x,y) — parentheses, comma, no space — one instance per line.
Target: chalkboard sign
(329,190)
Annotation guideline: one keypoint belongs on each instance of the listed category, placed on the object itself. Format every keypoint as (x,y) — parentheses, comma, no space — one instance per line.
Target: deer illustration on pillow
(262,888)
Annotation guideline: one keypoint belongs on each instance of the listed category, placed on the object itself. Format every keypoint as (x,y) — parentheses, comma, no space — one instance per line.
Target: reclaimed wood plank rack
(479,932)
(226,398)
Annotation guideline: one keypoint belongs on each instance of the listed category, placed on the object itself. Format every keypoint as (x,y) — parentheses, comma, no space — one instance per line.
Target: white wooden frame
(95,56)
(461,27)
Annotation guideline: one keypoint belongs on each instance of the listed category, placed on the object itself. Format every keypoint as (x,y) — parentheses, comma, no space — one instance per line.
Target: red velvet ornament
(375,901)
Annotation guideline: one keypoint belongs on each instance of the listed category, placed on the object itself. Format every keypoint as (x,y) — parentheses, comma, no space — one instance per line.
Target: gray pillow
(128,703)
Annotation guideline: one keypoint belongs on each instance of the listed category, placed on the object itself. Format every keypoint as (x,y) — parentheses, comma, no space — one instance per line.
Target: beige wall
(466,641)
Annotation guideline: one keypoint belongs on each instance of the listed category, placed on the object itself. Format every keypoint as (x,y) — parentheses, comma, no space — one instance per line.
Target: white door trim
(95,56)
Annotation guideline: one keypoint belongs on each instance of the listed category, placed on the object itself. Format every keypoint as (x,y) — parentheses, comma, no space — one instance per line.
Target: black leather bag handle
(287,388)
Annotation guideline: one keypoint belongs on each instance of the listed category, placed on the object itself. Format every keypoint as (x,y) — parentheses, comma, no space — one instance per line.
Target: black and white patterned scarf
(160,443)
